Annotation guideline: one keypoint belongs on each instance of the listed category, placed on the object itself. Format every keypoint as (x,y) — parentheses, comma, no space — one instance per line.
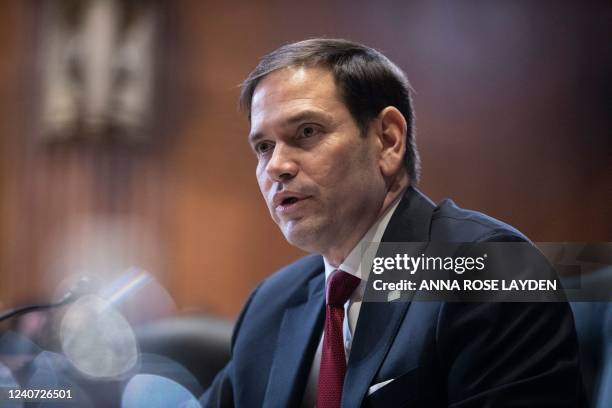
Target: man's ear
(392,138)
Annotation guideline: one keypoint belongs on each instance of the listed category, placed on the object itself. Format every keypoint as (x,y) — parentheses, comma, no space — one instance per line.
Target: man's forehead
(293,84)
(289,91)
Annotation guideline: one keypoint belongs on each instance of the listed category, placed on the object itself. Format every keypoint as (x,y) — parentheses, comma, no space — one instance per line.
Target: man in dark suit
(332,129)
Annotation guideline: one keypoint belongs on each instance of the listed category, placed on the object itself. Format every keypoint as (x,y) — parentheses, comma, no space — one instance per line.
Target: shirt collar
(352,263)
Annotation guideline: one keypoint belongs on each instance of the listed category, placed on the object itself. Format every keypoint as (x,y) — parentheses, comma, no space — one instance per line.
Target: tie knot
(340,287)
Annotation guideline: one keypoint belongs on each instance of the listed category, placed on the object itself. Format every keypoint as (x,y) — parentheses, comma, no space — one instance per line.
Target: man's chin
(303,237)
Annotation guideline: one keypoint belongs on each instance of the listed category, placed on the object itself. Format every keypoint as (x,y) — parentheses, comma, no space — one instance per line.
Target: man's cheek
(264,188)
(274,216)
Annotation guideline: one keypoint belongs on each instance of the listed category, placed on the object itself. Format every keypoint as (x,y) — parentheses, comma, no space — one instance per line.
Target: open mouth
(289,200)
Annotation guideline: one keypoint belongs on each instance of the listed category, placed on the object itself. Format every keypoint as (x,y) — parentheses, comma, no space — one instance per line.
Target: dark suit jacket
(438,353)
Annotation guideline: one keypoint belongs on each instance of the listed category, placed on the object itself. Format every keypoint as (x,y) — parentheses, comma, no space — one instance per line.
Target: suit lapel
(298,339)
(379,322)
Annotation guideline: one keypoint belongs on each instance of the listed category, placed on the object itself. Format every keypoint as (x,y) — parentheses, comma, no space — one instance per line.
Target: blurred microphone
(154,391)
(81,287)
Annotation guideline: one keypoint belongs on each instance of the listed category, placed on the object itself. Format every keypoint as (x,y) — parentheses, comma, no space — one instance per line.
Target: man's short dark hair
(367,82)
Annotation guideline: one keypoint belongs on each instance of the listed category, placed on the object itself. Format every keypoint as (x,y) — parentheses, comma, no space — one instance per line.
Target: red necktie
(333,360)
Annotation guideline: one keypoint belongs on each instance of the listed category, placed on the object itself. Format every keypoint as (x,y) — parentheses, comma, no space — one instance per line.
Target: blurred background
(121,144)
(514,118)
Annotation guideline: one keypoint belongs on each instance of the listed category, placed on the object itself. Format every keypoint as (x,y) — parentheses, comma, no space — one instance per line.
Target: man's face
(319,176)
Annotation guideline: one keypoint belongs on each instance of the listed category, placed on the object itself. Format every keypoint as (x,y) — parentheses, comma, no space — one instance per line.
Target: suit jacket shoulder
(452,223)
(293,276)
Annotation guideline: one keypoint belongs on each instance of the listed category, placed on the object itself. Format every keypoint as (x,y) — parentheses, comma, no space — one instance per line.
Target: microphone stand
(68,298)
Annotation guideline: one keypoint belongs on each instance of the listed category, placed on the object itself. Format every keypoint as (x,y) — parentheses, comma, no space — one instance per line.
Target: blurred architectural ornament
(97,69)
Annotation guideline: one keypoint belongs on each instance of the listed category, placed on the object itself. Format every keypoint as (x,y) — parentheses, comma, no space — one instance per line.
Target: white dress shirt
(352,265)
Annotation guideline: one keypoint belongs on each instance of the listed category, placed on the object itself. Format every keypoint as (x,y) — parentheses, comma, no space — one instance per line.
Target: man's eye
(263,147)
(308,131)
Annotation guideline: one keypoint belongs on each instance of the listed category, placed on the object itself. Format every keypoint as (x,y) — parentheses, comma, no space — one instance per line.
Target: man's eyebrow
(253,137)
(300,117)
(307,115)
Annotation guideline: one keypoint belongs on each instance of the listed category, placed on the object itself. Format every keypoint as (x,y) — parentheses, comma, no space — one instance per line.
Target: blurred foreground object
(119,343)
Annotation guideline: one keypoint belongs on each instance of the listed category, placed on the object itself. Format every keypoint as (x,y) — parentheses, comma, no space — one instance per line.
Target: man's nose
(282,165)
